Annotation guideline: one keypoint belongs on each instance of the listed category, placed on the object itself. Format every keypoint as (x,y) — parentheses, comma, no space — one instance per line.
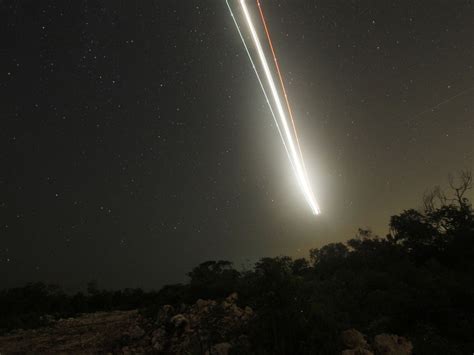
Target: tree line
(417,281)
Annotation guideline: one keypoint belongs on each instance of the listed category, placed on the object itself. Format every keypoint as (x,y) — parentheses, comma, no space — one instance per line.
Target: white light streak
(294,156)
(261,84)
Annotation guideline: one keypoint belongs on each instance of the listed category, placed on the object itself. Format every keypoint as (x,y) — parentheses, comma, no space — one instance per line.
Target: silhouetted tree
(418,281)
(213,279)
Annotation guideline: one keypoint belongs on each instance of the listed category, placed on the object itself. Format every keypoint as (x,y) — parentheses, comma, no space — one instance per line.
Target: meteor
(295,156)
(281,81)
(260,82)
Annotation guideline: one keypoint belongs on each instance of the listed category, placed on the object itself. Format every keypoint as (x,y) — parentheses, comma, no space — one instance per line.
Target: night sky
(135,141)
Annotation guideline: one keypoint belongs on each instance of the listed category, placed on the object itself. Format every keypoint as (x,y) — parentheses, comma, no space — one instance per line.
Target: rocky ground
(207,328)
(382,344)
(96,332)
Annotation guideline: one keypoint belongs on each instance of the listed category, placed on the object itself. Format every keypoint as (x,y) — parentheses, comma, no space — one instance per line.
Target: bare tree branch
(434,199)
(460,186)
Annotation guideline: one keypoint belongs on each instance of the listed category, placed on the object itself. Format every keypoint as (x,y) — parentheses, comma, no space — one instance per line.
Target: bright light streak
(260,82)
(299,170)
(275,60)
(282,83)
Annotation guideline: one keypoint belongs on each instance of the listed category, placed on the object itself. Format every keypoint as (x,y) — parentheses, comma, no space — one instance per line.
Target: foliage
(418,282)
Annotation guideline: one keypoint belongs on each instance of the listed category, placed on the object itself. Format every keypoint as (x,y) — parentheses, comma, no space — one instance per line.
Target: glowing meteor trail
(275,60)
(295,157)
(260,82)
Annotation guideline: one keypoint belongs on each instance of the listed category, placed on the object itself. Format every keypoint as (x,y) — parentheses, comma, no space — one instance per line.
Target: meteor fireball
(288,135)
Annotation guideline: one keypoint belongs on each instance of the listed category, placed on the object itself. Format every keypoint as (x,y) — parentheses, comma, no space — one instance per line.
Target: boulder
(220,349)
(201,304)
(165,313)
(358,351)
(180,321)
(232,298)
(135,332)
(353,339)
(389,344)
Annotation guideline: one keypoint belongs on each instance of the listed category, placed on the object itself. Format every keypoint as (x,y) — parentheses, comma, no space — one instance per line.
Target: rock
(358,351)
(236,311)
(180,321)
(220,349)
(205,305)
(201,304)
(135,332)
(205,323)
(389,344)
(93,333)
(157,334)
(247,314)
(353,339)
(219,327)
(383,344)
(158,346)
(226,305)
(169,309)
(165,313)
(232,298)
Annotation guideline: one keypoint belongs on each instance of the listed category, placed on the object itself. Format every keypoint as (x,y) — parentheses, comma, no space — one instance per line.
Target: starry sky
(135,141)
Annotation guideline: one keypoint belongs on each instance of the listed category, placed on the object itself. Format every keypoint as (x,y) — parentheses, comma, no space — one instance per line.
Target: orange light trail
(281,83)
(287,136)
